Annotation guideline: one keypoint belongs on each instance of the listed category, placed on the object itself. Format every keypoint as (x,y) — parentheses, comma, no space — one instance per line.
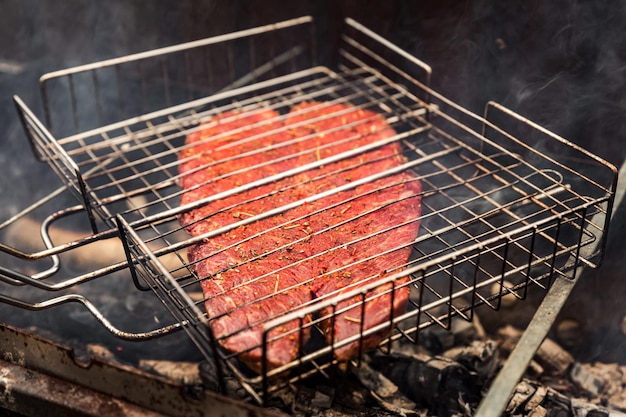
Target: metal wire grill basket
(507,206)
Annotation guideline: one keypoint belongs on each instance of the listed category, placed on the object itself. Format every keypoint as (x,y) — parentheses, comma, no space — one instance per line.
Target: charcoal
(462,332)
(601,382)
(582,408)
(535,401)
(435,383)
(522,394)
(385,392)
(537,411)
(303,400)
(586,380)
(437,339)
(557,404)
(568,333)
(323,398)
(353,394)
(480,357)
(617,401)
(554,359)
(229,386)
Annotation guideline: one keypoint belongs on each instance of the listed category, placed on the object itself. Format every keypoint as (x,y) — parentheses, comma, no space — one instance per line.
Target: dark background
(561,63)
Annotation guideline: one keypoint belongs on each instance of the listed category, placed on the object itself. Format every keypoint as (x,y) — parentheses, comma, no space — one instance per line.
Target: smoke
(560,63)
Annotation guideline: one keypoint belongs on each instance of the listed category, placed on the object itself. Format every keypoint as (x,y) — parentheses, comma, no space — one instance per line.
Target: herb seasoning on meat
(323,244)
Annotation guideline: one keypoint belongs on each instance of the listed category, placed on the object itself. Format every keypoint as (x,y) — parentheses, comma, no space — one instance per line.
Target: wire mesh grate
(506,206)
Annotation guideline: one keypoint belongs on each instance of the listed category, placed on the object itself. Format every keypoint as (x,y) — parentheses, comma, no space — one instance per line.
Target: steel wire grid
(482,237)
(506,204)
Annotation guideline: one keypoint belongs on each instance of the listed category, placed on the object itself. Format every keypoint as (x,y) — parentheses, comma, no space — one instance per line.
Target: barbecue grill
(508,207)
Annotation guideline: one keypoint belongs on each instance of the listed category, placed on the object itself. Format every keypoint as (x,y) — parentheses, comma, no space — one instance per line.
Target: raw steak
(314,250)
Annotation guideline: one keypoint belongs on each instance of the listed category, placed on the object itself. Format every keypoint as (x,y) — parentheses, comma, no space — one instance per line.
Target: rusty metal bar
(33,377)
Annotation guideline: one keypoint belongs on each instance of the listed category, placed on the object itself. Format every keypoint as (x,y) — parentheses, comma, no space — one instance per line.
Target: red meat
(312,251)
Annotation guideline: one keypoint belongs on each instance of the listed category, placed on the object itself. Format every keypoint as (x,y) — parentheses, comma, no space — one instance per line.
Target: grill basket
(507,206)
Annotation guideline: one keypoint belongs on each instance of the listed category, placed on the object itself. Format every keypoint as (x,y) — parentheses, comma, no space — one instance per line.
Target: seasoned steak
(230,151)
(315,249)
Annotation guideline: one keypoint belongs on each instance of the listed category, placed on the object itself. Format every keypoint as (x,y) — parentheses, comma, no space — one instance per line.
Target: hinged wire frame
(506,205)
